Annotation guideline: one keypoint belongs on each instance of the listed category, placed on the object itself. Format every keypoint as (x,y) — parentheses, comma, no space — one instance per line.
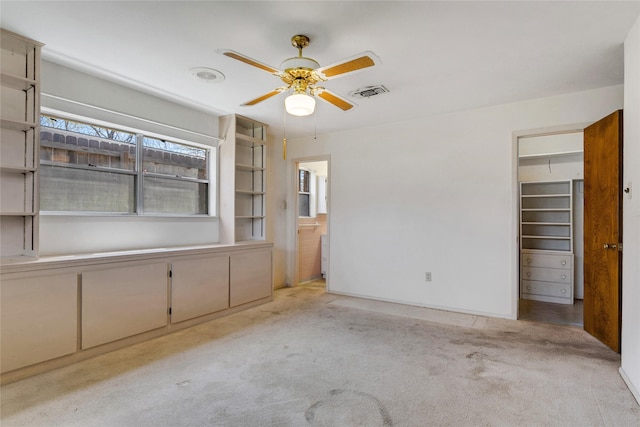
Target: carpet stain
(348,407)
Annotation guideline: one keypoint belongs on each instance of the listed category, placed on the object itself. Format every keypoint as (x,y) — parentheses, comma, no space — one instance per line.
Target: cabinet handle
(564,262)
(564,291)
(529,260)
(564,276)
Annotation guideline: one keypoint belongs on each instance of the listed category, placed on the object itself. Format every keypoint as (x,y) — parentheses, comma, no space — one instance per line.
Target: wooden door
(603,229)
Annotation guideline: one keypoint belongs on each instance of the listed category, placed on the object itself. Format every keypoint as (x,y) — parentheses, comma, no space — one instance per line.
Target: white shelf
(18,213)
(548,237)
(249,192)
(17,124)
(248,167)
(18,169)
(550,155)
(247,140)
(545,223)
(545,210)
(17,82)
(524,196)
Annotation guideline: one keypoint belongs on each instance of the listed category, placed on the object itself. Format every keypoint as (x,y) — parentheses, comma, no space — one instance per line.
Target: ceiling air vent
(368,91)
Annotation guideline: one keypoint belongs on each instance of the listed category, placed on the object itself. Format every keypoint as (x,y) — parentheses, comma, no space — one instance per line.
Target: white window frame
(212,169)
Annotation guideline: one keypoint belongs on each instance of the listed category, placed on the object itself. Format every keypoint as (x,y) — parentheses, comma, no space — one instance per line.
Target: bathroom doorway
(312,224)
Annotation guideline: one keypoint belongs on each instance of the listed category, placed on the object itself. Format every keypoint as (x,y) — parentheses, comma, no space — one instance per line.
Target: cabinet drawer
(557,275)
(561,290)
(531,259)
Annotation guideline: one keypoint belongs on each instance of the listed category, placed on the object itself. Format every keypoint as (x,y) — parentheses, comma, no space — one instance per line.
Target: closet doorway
(551,213)
(556,237)
(312,222)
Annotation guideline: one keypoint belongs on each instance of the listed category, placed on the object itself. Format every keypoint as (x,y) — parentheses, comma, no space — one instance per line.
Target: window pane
(171,158)
(303,205)
(73,143)
(76,190)
(174,196)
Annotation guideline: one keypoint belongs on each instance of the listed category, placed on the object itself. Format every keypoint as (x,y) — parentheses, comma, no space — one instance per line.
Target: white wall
(631,214)
(443,199)
(74,92)
(277,205)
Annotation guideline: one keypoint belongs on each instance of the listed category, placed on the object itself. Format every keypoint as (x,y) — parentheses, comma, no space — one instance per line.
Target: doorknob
(610,246)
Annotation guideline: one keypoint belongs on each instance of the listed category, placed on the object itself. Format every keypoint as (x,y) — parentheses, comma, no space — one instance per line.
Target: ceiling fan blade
(263,97)
(242,58)
(348,65)
(334,99)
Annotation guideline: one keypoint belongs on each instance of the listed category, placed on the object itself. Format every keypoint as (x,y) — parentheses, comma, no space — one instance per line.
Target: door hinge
(169,310)
(170,273)
(619,247)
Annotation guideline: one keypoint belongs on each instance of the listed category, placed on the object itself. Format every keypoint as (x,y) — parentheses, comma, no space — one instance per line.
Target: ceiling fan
(301,75)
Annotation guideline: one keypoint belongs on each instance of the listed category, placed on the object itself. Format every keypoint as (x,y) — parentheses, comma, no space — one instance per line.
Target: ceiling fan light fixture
(300,104)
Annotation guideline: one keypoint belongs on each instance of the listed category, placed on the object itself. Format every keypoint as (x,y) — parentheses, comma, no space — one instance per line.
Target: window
(89,168)
(304,205)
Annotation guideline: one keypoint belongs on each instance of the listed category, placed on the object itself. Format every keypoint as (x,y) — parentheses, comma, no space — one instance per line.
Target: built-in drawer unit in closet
(547,276)
(546,241)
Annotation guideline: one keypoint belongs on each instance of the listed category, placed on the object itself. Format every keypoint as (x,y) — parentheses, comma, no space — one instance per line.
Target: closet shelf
(548,237)
(546,223)
(550,155)
(543,195)
(546,210)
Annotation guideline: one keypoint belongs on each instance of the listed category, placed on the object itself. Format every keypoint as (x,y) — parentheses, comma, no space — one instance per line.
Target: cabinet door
(250,276)
(198,287)
(39,319)
(123,301)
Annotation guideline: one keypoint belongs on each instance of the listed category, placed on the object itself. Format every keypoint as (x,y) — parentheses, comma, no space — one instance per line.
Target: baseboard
(630,385)
(430,306)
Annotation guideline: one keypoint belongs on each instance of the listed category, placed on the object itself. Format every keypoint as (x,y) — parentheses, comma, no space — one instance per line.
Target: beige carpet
(315,359)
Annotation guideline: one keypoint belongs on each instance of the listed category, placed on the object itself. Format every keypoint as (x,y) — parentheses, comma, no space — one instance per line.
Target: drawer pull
(528,274)
(528,260)
(564,291)
(564,276)
(528,288)
(564,262)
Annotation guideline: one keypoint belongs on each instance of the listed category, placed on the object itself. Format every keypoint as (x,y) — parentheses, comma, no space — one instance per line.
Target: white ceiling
(436,56)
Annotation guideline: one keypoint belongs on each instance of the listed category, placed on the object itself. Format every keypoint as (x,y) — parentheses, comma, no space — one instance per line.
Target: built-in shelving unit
(19,144)
(546,241)
(545,213)
(243,157)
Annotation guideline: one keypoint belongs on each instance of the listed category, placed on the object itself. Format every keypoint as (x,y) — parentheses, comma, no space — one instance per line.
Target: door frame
(294,221)
(515,192)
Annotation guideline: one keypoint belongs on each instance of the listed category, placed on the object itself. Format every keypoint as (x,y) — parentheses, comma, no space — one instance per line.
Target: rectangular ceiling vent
(368,91)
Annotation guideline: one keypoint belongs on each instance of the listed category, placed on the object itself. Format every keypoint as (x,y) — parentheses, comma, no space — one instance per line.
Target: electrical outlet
(427,276)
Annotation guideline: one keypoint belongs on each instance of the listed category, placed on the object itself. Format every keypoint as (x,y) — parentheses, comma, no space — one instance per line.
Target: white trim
(629,384)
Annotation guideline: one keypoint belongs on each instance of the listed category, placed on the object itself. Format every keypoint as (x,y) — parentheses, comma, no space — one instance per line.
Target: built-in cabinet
(200,286)
(546,241)
(19,144)
(243,159)
(60,310)
(38,317)
(123,300)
